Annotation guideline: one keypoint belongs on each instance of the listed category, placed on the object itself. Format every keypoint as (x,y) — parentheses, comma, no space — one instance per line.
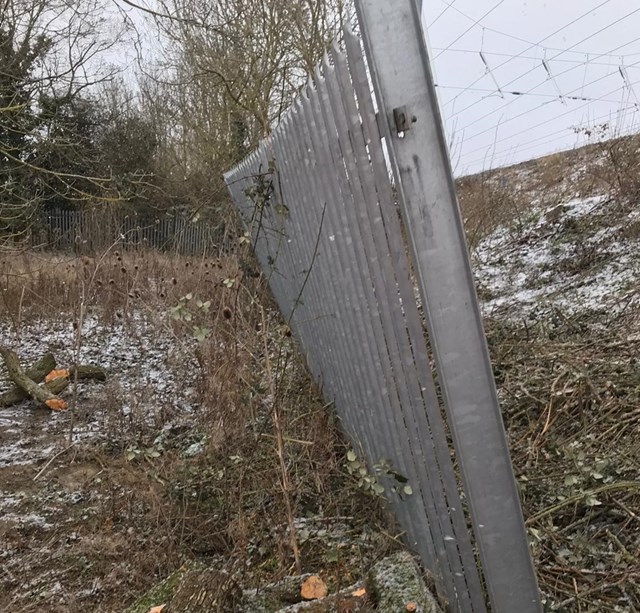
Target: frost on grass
(571,258)
(150,379)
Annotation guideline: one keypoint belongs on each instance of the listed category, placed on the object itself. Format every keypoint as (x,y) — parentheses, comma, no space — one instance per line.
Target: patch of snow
(28,519)
(581,207)
(539,266)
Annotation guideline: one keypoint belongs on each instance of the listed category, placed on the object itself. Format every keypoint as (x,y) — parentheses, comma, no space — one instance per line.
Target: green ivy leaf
(200,334)
(592,501)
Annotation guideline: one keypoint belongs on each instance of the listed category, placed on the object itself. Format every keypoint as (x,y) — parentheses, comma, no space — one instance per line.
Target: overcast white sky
(586,45)
(584,59)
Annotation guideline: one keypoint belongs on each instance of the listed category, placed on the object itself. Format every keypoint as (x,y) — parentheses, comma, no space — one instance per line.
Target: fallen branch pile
(42,382)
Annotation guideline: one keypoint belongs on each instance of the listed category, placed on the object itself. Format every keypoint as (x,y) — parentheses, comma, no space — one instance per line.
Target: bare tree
(228,71)
(51,54)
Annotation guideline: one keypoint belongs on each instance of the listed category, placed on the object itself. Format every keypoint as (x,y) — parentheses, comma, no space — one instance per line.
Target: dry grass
(570,392)
(506,196)
(142,515)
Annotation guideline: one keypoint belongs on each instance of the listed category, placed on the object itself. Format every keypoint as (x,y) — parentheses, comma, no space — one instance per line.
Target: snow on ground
(150,375)
(571,257)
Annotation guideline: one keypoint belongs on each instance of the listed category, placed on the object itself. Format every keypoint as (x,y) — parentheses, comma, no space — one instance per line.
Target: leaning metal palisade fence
(321,208)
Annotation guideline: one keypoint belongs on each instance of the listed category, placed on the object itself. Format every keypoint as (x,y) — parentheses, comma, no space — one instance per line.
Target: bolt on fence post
(402,80)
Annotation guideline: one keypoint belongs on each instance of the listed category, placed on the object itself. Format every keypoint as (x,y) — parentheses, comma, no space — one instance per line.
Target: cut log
(20,378)
(39,371)
(88,372)
(85,373)
(36,373)
(41,368)
(27,382)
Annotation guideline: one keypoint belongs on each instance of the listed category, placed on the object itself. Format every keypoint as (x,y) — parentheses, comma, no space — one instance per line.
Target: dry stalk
(280,447)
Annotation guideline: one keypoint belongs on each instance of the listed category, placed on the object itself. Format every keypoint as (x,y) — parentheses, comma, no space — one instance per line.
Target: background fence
(94,230)
(326,226)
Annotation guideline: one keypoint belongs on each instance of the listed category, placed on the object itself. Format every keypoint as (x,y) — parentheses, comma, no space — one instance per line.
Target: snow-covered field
(570,257)
(151,376)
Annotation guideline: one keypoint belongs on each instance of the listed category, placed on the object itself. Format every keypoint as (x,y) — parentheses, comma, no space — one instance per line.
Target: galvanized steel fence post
(403,83)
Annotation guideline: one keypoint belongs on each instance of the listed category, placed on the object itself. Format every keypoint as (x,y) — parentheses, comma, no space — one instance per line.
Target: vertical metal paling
(357,386)
(364,305)
(358,172)
(294,265)
(419,400)
(293,262)
(402,80)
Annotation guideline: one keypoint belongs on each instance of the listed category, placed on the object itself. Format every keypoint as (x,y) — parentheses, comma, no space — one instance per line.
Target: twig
(623,550)
(53,459)
(622,485)
(625,508)
(290,440)
(284,473)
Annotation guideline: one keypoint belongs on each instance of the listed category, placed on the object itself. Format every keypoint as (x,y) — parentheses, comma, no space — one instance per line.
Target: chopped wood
(88,372)
(36,373)
(84,373)
(27,381)
(20,378)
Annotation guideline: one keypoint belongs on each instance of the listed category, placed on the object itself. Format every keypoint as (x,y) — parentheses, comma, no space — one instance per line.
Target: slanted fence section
(326,223)
(91,231)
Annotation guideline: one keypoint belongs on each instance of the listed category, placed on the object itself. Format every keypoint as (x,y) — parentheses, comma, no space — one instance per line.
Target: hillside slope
(557,266)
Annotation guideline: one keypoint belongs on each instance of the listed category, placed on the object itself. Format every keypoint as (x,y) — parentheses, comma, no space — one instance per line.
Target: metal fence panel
(392,34)
(88,231)
(321,208)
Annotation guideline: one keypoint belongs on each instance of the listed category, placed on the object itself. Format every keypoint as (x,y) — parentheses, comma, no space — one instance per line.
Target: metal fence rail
(90,231)
(326,226)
